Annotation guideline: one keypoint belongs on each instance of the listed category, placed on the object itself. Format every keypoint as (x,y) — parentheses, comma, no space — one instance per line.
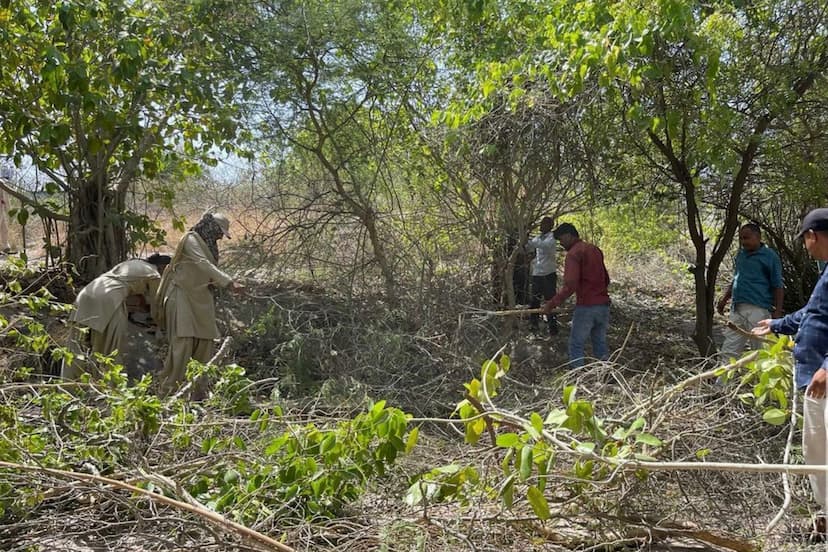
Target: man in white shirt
(544,277)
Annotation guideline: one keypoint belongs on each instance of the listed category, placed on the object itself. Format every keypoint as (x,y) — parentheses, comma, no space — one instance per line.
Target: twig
(662,530)
(515,312)
(503,416)
(218,357)
(454,533)
(684,384)
(197,508)
(484,314)
(617,353)
(786,484)
(746,333)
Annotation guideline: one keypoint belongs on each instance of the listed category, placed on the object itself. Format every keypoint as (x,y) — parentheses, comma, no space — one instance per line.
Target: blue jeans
(592,321)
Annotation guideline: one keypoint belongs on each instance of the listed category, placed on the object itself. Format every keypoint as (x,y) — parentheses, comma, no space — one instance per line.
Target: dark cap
(158,259)
(815,220)
(565,228)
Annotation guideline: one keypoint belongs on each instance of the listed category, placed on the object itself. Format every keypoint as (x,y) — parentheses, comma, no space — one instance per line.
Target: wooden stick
(746,333)
(201,511)
(514,312)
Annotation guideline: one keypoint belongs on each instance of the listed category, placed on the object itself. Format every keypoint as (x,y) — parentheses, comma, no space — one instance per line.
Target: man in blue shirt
(810,324)
(756,291)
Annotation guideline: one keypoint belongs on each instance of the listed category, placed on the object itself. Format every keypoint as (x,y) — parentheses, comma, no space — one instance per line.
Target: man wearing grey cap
(810,325)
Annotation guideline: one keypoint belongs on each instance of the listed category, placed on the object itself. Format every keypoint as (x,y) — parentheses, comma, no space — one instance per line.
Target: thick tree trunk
(704,280)
(510,273)
(96,235)
(369,220)
(703,331)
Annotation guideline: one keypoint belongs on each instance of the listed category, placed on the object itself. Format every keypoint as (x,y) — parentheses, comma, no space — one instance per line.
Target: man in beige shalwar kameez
(185,299)
(101,306)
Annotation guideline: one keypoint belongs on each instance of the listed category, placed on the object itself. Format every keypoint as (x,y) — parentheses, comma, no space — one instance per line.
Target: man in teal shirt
(756,291)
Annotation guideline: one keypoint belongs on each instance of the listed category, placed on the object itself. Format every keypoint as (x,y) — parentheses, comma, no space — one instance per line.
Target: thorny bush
(265,461)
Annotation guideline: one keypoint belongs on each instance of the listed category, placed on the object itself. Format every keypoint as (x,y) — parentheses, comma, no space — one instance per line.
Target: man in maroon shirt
(586,276)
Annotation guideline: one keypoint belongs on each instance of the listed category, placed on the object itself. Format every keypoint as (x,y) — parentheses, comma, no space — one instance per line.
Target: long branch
(38,207)
(199,510)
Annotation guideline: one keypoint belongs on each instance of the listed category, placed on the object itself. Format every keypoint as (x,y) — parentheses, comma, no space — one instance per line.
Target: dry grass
(321,348)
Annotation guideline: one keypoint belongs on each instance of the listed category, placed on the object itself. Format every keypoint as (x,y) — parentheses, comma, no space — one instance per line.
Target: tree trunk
(704,280)
(369,220)
(96,235)
(703,332)
(510,272)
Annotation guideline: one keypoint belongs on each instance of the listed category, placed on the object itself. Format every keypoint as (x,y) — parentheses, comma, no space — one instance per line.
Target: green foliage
(638,226)
(110,64)
(654,90)
(303,469)
(307,468)
(287,468)
(97,94)
(533,445)
(275,465)
(450,482)
(770,380)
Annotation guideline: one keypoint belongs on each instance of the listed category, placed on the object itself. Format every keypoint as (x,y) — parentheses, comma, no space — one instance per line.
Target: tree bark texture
(97,235)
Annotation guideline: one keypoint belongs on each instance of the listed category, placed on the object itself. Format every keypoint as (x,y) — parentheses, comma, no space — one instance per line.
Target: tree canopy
(99,93)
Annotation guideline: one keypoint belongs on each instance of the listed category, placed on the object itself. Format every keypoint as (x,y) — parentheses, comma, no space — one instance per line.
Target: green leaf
(637,424)
(507,440)
(473,387)
(507,493)
(525,463)
(585,448)
(414,495)
(327,443)
(538,502)
(505,365)
(488,87)
(207,444)
(411,441)
(505,464)
(537,422)
(543,468)
(474,430)
(275,446)
(377,410)
(569,394)
(556,417)
(648,439)
(448,469)
(775,416)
